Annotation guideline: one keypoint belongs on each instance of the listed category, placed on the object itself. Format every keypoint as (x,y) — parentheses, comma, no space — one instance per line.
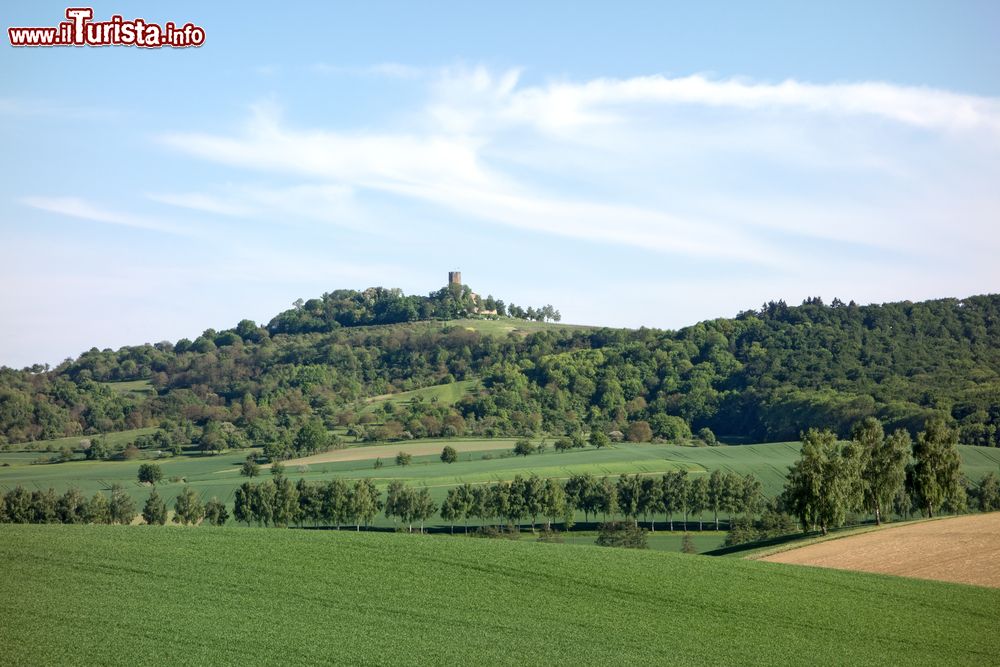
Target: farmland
(326,596)
(480,461)
(962,549)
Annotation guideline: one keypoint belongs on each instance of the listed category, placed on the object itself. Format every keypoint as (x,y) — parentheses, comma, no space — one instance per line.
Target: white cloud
(724,169)
(75,207)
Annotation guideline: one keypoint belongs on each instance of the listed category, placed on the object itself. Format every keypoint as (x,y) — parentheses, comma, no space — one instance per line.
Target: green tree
(639,431)
(553,501)
(605,498)
(697,499)
(988,493)
(150,473)
(250,468)
(97,510)
(621,534)
(365,502)
(822,485)
(629,494)
(422,507)
(651,500)
(18,502)
(188,508)
(936,466)
(599,439)
(448,454)
(883,464)
(98,449)
(286,502)
(403,459)
(311,437)
(451,507)
(216,513)
(716,494)
(243,504)
(154,512)
(397,502)
(263,501)
(70,507)
(523,447)
(44,506)
(674,493)
(121,508)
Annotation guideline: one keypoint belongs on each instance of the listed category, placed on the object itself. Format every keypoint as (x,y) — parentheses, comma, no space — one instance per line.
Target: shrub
(524,448)
(621,534)
(150,473)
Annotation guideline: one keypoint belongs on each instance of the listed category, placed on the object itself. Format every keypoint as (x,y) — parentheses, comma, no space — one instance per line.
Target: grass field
(119,595)
(480,461)
(448,394)
(117,439)
(134,387)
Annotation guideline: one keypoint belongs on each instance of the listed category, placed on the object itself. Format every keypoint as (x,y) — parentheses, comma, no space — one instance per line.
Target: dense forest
(764,375)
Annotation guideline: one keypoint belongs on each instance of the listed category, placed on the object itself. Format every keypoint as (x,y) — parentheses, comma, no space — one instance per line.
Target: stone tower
(454,277)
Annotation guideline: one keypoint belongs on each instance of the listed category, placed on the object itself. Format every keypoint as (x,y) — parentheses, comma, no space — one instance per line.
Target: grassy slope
(116,439)
(447,394)
(291,597)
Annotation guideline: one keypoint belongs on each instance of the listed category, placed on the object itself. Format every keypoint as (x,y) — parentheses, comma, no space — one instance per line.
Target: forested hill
(763,375)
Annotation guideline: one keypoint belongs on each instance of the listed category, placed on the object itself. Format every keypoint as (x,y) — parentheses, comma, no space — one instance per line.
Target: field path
(963,550)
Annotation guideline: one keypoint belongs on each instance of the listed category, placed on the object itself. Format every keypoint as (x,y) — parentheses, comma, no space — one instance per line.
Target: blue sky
(632,164)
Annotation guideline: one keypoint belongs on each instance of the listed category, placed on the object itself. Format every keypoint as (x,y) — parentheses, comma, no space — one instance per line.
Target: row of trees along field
(765,375)
(46,506)
(873,473)
(878,474)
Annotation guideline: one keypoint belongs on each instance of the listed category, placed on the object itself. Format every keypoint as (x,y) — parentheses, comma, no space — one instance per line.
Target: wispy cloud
(726,169)
(602,100)
(75,207)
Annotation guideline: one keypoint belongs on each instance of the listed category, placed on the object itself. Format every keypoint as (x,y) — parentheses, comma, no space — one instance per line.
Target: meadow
(480,461)
(120,595)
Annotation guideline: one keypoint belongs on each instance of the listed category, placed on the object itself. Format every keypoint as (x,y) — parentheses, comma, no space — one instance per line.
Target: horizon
(633,166)
(263,323)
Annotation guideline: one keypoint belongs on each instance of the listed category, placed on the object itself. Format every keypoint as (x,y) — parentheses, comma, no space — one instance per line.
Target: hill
(764,375)
(215,597)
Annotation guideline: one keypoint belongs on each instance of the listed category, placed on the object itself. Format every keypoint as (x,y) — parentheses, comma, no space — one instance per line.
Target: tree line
(881,474)
(71,507)
(764,375)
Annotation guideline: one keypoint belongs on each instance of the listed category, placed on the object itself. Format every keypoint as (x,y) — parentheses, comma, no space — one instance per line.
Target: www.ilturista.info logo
(80,30)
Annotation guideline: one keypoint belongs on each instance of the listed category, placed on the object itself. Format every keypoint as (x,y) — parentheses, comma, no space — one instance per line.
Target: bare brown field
(963,550)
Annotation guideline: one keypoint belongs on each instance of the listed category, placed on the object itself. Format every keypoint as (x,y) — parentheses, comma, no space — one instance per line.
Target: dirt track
(963,549)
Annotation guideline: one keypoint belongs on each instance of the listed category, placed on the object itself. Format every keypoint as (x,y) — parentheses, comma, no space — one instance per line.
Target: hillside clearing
(964,549)
(225,596)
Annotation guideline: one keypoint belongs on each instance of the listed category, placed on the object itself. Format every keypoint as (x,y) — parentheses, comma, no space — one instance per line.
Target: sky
(633,164)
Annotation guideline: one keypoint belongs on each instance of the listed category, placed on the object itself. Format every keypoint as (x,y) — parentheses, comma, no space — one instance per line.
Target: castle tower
(454,277)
